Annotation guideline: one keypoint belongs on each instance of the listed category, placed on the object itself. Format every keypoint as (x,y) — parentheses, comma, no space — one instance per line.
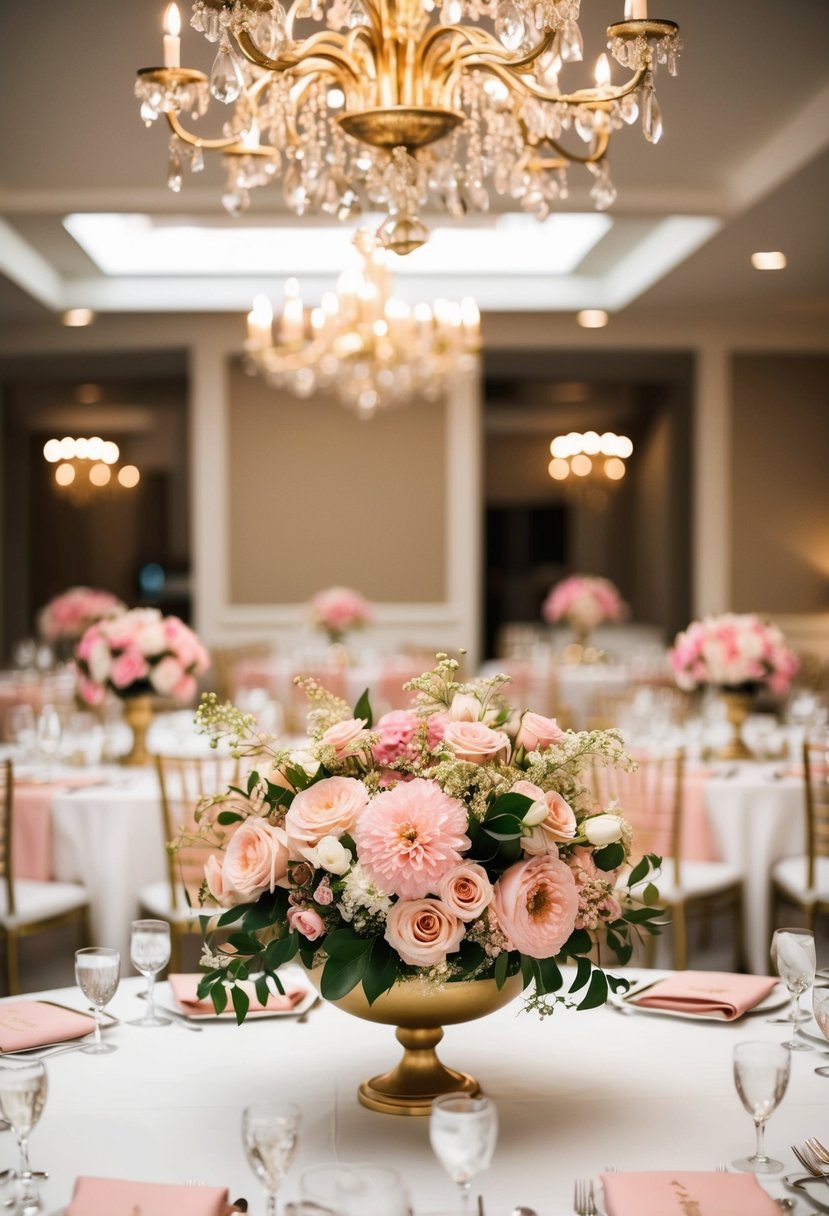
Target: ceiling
(743,166)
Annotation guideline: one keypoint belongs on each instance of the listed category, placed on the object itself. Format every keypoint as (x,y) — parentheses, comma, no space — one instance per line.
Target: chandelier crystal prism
(401,105)
(364,344)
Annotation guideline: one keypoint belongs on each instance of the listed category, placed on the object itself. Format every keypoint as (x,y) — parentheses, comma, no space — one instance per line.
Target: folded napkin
(27,1024)
(718,994)
(184,990)
(114,1197)
(684,1193)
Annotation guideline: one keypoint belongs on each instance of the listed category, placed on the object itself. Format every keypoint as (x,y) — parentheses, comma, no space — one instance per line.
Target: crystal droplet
(226,79)
(174,169)
(452,12)
(651,114)
(148,114)
(656,122)
(196,160)
(584,127)
(509,26)
(570,47)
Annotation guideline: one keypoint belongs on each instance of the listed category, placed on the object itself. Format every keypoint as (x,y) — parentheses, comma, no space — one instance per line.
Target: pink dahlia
(410,836)
(397,731)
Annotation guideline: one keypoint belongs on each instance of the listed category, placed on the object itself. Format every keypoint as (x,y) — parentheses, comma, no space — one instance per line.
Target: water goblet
(761,1074)
(462,1131)
(354,1190)
(270,1131)
(22,1097)
(21,729)
(97,972)
(820,1006)
(793,956)
(149,954)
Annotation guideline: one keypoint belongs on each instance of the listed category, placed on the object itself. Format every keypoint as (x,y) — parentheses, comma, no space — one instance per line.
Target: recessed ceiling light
(769,260)
(592,318)
(78,316)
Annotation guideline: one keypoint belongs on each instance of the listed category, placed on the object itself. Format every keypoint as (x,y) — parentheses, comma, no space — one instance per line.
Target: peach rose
(256,858)
(466,890)
(475,742)
(224,896)
(536,904)
(558,825)
(345,736)
(328,808)
(423,931)
(537,732)
(307,922)
(166,675)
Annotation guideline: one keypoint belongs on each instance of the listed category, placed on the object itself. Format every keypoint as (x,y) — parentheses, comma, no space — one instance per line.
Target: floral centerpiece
(138,655)
(67,617)
(584,601)
(338,610)
(432,843)
(737,653)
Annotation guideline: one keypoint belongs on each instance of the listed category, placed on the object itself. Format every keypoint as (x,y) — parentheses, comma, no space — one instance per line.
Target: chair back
(6,822)
(651,799)
(186,782)
(225,661)
(816,783)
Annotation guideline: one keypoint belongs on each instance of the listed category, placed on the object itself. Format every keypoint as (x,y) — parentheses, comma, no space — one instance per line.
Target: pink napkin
(114,1197)
(183,988)
(712,993)
(681,1192)
(26,1024)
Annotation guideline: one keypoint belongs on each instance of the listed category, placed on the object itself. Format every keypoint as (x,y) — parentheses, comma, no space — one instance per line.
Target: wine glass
(48,733)
(793,956)
(97,971)
(22,1097)
(21,728)
(150,953)
(462,1131)
(820,1005)
(355,1190)
(270,1131)
(761,1074)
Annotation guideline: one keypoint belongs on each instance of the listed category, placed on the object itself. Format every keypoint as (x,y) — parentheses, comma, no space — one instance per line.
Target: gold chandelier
(396,104)
(84,470)
(363,343)
(590,466)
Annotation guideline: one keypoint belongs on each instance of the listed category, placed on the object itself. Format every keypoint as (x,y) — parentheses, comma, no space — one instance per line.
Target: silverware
(584,1203)
(810,1164)
(180,1018)
(817,1149)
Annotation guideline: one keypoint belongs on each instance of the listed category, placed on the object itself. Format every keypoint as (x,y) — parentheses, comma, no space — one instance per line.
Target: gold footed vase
(138,714)
(420,1010)
(737,708)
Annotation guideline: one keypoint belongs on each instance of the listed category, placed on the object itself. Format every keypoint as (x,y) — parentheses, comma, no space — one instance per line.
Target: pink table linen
(682,1192)
(32,831)
(116,1197)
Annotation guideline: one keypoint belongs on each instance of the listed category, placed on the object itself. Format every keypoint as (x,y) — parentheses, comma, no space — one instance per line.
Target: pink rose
(397,732)
(128,668)
(323,894)
(166,675)
(537,732)
(328,808)
(536,904)
(559,824)
(224,896)
(255,860)
(423,931)
(466,890)
(475,742)
(306,921)
(185,689)
(91,692)
(345,737)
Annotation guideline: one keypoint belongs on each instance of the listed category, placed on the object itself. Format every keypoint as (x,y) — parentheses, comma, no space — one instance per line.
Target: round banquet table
(575,1093)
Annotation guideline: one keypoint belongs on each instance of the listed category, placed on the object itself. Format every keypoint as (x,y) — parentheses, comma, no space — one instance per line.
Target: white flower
(603,829)
(99,661)
(464,708)
(330,855)
(536,814)
(304,760)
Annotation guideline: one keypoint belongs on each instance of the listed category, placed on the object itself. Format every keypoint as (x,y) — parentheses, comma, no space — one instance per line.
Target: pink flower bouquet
(738,652)
(69,615)
(430,843)
(140,652)
(338,610)
(584,601)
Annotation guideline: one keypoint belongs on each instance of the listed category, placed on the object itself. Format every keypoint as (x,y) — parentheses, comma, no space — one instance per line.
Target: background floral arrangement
(430,843)
(69,615)
(140,652)
(585,601)
(733,651)
(339,610)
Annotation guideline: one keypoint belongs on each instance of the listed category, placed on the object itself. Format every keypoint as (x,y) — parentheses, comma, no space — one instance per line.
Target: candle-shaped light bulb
(602,72)
(260,320)
(471,318)
(292,327)
(636,10)
(250,139)
(172,41)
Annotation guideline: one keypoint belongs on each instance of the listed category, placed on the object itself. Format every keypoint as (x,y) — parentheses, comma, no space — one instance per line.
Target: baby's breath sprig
(325,709)
(222,720)
(436,689)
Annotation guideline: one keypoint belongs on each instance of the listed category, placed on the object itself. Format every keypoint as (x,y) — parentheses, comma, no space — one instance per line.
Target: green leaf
(610,857)
(381,970)
(516,805)
(280,951)
(501,967)
(638,916)
(241,1003)
(579,942)
(639,871)
(263,990)
(596,991)
(650,895)
(232,914)
(345,944)
(243,943)
(548,978)
(340,975)
(253,781)
(583,969)
(363,710)
(470,957)
(229,817)
(617,983)
(218,996)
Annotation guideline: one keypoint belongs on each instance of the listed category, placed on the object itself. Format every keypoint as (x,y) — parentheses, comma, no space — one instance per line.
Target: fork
(584,1203)
(809,1163)
(817,1149)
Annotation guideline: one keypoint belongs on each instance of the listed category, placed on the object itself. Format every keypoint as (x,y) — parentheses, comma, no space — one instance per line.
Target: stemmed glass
(355,1190)
(47,738)
(270,1131)
(761,1074)
(97,972)
(462,1131)
(150,953)
(793,956)
(820,1005)
(21,729)
(22,1097)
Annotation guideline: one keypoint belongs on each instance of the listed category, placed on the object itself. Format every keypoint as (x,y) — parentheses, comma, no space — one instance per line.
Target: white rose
(166,675)
(330,855)
(304,760)
(465,708)
(151,639)
(603,829)
(99,661)
(536,814)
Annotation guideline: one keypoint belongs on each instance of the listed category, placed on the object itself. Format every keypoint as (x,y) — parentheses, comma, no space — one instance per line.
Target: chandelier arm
(498,53)
(313,47)
(602,139)
(441,43)
(593,98)
(198,141)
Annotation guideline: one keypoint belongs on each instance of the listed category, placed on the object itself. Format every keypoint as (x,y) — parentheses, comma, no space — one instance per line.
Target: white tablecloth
(575,1093)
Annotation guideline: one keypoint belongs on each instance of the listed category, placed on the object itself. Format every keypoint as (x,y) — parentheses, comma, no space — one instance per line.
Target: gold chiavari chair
(651,799)
(802,882)
(29,906)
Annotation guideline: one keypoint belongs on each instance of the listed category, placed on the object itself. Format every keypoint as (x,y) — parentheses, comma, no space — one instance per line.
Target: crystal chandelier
(590,466)
(87,469)
(363,343)
(399,104)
